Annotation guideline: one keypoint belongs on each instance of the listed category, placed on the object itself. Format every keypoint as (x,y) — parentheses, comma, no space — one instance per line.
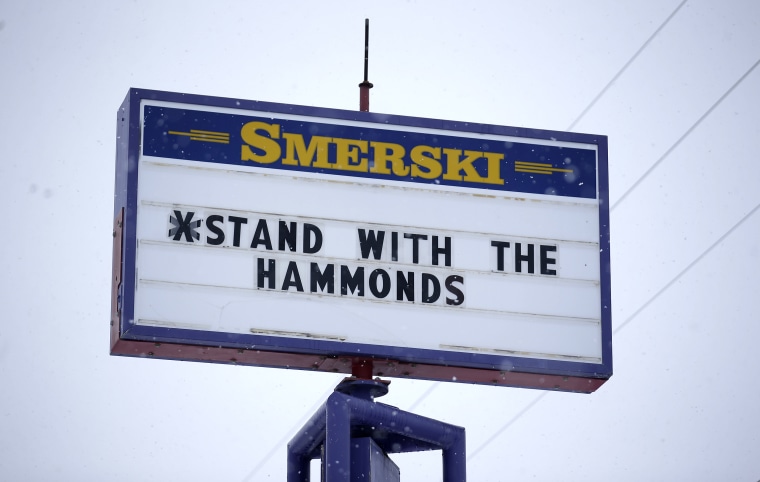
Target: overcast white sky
(683,120)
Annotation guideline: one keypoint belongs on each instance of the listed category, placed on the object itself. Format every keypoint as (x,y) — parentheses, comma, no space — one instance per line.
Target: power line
(685,135)
(424,395)
(627,64)
(506,426)
(687,268)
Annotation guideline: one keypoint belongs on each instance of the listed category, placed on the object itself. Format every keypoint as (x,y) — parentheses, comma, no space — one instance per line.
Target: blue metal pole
(300,448)
(299,468)
(455,461)
(337,462)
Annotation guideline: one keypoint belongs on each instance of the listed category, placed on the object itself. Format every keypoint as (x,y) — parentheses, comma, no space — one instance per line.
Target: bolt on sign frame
(298,237)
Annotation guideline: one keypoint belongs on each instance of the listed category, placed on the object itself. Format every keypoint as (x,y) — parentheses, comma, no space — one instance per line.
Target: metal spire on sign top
(366,84)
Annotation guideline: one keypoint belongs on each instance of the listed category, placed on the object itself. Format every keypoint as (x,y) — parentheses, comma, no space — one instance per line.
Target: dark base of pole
(364,389)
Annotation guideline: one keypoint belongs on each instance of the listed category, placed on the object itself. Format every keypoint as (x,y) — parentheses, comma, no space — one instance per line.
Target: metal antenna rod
(366,49)
(366,84)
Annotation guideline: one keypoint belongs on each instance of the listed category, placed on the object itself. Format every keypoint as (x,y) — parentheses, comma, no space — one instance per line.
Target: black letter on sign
(287,235)
(322,279)
(546,260)
(500,247)
(379,292)
(292,278)
(264,273)
(236,221)
(415,245)
(219,239)
(446,250)
(427,296)
(184,226)
(311,246)
(370,241)
(458,294)
(519,258)
(404,286)
(351,282)
(261,236)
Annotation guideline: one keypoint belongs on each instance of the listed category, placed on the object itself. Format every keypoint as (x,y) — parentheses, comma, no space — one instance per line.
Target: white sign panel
(318,233)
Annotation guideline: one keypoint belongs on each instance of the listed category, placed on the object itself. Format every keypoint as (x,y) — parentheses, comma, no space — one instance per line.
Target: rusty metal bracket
(118,253)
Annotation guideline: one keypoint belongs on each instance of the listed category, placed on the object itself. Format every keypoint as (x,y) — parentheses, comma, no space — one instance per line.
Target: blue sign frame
(328,355)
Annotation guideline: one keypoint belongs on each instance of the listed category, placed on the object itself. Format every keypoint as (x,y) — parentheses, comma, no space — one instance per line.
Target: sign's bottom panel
(353,320)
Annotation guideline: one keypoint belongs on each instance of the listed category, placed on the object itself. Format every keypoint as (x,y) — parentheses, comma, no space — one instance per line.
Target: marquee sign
(289,236)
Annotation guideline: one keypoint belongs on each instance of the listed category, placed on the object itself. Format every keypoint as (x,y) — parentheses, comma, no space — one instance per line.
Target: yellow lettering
(455,166)
(298,153)
(386,152)
(270,148)
(424,166)
(493,160)
(347,154)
